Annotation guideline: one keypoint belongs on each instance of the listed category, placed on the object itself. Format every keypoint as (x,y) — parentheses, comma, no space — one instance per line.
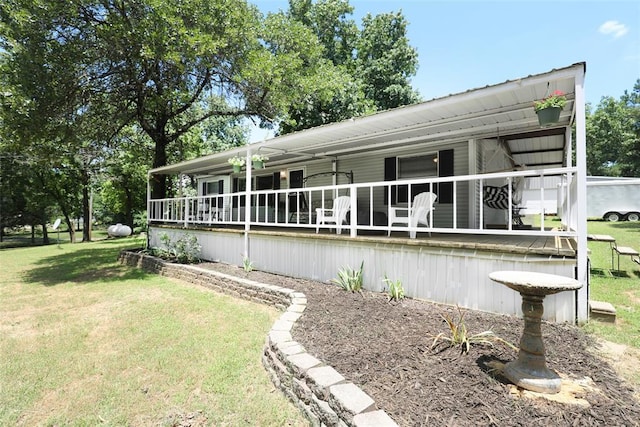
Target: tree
(372,66)
(52,114)
(166,65)
(328,21)
(630,164)
(386,61)
(613,136)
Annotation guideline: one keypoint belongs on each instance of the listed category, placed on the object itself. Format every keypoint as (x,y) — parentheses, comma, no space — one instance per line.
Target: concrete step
(602,311)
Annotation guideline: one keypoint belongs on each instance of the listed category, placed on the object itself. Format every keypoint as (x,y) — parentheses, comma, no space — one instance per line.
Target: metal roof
(503,111)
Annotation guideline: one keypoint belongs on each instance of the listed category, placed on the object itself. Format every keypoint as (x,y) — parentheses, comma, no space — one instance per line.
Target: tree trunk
(45,233)
(159,182)
(86,208)
(128,207)
(72,231)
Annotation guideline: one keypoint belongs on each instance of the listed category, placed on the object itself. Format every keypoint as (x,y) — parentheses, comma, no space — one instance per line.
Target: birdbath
(530,370)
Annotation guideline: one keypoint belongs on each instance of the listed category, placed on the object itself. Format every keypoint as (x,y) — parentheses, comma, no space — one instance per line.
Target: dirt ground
(386,349)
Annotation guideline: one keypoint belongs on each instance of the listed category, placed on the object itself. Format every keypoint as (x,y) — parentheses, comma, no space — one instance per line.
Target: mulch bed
(386,349)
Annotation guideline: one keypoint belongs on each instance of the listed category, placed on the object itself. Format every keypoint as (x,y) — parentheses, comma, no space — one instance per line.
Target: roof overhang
(503,111)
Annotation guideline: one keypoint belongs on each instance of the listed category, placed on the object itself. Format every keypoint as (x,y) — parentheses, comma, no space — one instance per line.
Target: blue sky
(469,44)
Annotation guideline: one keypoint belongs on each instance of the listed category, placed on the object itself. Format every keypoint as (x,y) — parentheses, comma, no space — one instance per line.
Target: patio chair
(420,212)
(337,214)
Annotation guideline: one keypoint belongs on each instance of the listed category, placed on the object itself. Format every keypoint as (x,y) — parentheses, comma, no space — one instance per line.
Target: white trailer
(613,199)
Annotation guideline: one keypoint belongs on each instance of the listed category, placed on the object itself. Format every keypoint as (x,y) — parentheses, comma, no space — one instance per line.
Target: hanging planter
(548,109)
(549,116)
(258,161)
(237,163)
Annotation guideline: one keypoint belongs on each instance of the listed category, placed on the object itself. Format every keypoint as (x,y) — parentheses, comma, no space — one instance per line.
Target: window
(213,187)
(418,166)
(415,167)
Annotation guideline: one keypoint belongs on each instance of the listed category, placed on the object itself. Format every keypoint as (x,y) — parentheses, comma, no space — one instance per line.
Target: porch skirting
(323,395)
(433,269)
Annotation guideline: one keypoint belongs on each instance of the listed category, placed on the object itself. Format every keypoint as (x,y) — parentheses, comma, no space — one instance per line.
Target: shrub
(349,279)
(185,250)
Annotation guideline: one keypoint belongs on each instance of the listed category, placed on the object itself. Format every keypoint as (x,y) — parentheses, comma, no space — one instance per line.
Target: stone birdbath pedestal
(530,370)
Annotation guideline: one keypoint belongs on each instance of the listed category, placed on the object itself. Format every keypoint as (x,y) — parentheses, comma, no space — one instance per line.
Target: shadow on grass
(627,226)
(86,265)
(601,272)
(620,274)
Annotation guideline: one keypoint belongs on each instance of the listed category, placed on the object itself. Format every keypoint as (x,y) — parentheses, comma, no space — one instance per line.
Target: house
(461,147)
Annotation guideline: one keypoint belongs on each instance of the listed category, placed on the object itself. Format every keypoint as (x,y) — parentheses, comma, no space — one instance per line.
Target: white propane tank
(119,230)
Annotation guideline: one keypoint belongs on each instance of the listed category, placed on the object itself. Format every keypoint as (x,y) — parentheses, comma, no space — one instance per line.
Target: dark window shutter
(445,168)
(390,174)
(234,189)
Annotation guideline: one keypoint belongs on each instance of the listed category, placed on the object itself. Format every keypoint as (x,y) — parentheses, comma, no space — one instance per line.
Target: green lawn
(86,341)
(620,289)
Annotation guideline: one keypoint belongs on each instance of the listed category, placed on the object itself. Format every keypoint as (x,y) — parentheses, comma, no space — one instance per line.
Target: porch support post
(247,204)
(334,179)
(148,199)
(354,211)
(149,208)
(472,194)
(582,294)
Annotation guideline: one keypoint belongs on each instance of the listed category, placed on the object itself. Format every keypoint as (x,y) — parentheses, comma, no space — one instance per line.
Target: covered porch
(454,147)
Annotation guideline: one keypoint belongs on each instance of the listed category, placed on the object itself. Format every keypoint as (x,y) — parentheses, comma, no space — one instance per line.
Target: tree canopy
(613,136)
(165,65)
(373,64)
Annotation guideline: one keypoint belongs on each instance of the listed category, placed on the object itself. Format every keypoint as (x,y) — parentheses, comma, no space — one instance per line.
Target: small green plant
(237,161)
(349,279)
(185,250)
(395,291)
(247,265)
(459,336)
(556,99)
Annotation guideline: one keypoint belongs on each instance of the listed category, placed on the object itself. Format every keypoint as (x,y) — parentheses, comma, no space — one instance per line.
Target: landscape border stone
(321,393)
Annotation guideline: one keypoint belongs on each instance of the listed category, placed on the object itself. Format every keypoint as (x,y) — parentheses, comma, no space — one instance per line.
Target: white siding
(444,275)
(370,168)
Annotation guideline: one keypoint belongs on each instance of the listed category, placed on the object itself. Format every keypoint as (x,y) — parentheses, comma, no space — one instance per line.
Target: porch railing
(463,212)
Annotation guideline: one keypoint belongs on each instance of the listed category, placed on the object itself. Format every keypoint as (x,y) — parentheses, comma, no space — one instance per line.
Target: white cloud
(614,28)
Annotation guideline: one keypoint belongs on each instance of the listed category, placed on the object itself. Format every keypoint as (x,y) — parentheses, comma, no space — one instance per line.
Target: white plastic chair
(337,214)
(420,212)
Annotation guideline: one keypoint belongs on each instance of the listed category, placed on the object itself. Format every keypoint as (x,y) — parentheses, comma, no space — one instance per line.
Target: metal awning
(503,111)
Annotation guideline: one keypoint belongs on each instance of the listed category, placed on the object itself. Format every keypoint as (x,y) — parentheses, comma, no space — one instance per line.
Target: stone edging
(324,396)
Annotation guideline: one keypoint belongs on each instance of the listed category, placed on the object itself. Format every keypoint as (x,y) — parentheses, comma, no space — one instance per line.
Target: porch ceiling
(503,111)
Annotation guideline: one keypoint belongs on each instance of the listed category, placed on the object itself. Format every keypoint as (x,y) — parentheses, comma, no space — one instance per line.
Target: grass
(86,341)
(620,289)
